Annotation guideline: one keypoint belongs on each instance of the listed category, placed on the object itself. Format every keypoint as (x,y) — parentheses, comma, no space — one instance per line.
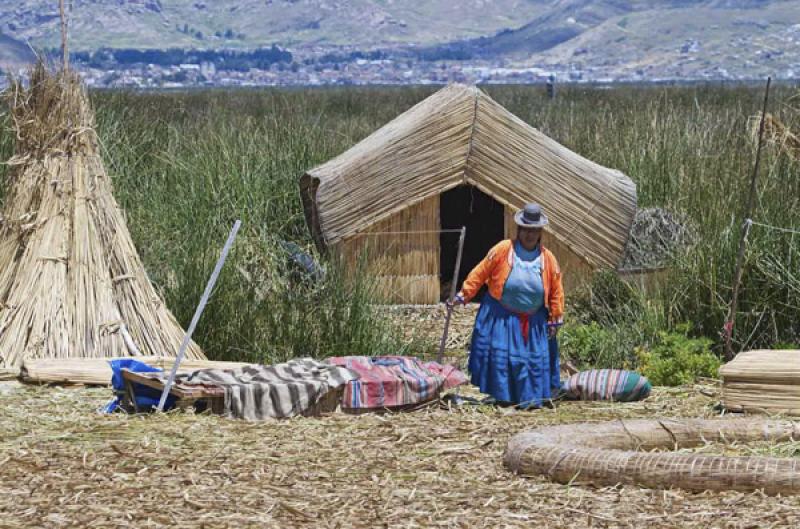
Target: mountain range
(647,36)
(251,23)
(669,38)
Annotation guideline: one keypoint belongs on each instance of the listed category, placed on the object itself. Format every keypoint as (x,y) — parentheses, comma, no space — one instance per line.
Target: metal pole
(748,214)
(453,289)
(197,313)
(64,50)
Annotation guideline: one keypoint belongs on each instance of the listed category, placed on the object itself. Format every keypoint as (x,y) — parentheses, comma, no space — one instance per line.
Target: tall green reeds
(185,165)
(691,150)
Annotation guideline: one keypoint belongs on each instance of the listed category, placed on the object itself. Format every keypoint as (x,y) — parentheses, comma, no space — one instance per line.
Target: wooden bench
(200,396)
(209,397)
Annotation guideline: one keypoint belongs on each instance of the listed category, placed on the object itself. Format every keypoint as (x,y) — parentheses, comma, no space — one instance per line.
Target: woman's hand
(458,300)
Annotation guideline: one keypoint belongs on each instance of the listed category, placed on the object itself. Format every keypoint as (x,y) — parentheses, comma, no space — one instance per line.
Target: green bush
(592,345)
(607,321)
(678,359)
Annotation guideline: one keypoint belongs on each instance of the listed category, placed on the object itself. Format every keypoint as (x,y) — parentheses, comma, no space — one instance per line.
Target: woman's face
(529,237)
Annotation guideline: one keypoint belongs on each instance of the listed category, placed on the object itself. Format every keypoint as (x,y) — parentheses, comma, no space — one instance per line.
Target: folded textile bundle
(282,390)
(394,381)
(606,384)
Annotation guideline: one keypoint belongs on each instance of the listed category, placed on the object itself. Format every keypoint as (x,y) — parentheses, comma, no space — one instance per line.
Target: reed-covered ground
(62,465)
(185,165)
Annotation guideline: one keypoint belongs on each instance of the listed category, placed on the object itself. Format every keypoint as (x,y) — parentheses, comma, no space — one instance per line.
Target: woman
(514,353)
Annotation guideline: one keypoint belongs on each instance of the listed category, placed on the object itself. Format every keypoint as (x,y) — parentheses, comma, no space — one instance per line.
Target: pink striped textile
(386,382)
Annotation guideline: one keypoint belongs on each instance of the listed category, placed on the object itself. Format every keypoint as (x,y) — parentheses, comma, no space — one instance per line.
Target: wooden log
(97,371)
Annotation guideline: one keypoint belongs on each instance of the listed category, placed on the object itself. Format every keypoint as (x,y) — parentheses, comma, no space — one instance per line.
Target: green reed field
(185,165)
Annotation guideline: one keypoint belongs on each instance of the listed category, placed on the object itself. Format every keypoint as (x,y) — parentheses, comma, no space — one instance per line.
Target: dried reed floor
(63,465)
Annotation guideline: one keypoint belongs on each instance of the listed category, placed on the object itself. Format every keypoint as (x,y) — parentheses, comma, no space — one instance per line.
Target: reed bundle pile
(765,381)
(781,136)
(614,453)
(656,235)
(97,371)
(71,281)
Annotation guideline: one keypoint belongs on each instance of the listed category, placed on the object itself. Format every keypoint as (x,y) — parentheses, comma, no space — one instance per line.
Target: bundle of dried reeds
(781,136)
(762,381)
(97,371)
(71,281)
(611,453)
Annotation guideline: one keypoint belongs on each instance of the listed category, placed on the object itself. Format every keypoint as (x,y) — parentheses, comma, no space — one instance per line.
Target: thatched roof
(70,276)
(457,136)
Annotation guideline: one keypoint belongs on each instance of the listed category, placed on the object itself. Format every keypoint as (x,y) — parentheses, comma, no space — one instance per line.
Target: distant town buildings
(692,60)
(387,72)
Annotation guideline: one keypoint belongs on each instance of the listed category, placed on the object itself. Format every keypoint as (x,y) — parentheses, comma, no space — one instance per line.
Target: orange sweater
(496,267)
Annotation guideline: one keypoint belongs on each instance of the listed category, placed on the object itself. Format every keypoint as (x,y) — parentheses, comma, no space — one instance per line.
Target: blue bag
(146,397)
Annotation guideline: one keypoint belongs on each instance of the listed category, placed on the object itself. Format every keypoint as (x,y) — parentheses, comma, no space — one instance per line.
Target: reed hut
(71,281)
(456,159)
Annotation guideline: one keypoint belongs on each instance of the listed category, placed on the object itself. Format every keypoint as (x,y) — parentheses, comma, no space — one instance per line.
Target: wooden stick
(197,313)
(64,49)
(751,199)
(453,289)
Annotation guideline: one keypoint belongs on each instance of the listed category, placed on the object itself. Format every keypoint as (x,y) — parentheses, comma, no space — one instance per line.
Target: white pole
(197,313)
(128,339)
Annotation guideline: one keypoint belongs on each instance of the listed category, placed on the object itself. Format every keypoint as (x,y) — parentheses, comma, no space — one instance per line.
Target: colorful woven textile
(607,384)
(394,381)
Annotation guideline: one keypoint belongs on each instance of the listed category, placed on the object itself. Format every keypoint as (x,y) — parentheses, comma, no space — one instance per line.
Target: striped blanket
(607,384)
(394,381)
(281,390)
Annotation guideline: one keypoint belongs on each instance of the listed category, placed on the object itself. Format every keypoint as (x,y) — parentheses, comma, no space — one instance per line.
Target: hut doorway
(484,218)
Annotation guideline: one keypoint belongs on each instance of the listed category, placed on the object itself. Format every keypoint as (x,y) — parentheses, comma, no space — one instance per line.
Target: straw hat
(531,216)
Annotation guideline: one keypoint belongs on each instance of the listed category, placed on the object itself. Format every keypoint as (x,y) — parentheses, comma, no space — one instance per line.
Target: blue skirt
(503,365)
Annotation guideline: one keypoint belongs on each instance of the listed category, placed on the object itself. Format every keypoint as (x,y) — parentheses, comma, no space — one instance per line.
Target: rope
(471,135)
(776,228)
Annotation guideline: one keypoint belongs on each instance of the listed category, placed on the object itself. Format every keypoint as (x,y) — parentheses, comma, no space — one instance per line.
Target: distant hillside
(14,54)
(762,38)
(560,22)
(661,37)
(255,23)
